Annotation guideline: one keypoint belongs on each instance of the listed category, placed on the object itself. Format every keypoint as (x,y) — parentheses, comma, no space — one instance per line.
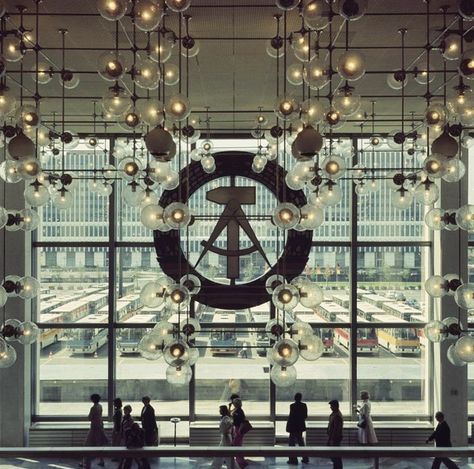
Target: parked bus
(128,339)
(50,336)
(310,316)
(400,310)
(366,310)
(397,340)
(329,310)
(375,299)
(223,340)
(367,341)
(90,340)
(341,299)
(419,332)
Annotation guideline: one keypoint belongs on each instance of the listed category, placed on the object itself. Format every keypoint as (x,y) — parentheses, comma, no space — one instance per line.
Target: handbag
(362,423)
(245,427)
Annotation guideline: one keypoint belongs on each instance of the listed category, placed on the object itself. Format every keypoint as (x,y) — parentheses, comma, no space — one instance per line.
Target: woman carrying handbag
(365,432)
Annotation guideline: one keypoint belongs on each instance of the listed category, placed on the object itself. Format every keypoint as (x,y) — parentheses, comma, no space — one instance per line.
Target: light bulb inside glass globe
(316,74)
(111,65)
(286,216)
(177,215)
(176,353)
(178,107)
(283,376)
(148,14)
(451,47)
(116,101)
(8,357)
(464,296)
(286,108)
(311,347)
(28,333)
(351,65)
(285,297)
(464,348)
(453,357)
(465,217)
(112,10)
(146,73)
(171,74)
(151,346)
(426,193)
(179,376)
(402,199)
(435,331)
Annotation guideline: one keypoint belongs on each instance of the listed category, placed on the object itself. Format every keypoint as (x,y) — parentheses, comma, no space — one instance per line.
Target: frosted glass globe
(112,10)
(29,168)
(146,73)
(286,216)
(111,65)
(346,102)
(435,331)
(151,111)
(436,286)
(451,47)
(311,295)
(129,168)
(316,14)
(116,101)
(311,217)
(285,297)
(333,167)
(312,111)
(311,347)
(36,195)
(465,217)
(8,357)
(455,170)
(3,296)
(152,294)
(148,14)
(330,195)
(426,194)
(133,194)
(283,377)
(177,215)
(294,74)
(152,218)
(165,331)
(29,287)
(453,357)
(402,199)
(151,346)
(285,352)
(190,328)
(63,199)
(177,107)
(300,329)
(464,296)
(176,353)
(172,181)
(316,74)
(171,74)
(435,219)
(28,333)
(179,376)
(351,65)
(465,348)
(435,165)
(177,298)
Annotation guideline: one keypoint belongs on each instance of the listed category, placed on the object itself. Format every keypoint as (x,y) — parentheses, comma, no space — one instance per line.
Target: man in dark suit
(442,436)
(149,423)
(296,425)
(334,430)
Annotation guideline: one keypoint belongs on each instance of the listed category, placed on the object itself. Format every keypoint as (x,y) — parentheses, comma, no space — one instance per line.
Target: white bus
(90,340)
(128,339)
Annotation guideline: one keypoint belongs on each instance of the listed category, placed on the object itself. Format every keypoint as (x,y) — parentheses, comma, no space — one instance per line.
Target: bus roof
(140,318)
(417,318)
(386,318)
(369,307)
(376,297)
(332,307)
(403,308)
(47,317)
(100,318)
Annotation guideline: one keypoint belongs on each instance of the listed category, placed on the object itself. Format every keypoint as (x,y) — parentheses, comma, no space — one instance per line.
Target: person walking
(225,430)
(296,425)
(96,435)
(117,421)
(365,432)
(442,437)
(238,418)
(334,431)
(149,423)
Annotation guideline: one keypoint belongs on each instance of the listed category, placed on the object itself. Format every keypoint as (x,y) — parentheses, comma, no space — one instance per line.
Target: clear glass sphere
(28,333)
(316,74)
(451,47)
(285,297)
(286,216)
(69,79)
(176,353)
(112,10)
(42,74)
(283,376)
(273,51)
(305,170)
(286,108)
(397,80)
(7,101)
(466,64)
(152,217)
(178,5)
(177,298)
(177,215)
(287,5)
(464,348)
(402,199)
(464,296)
(149,198)
(435,219)
(346,102)
(426,194)
(294,181)
(453,357)
(304,50)
(311,295)
(312,111)
(274,330)
(436,286)
(435,331)
(351,65)
(133,194)
(285,352)
(191,51)
(158,171)
(130,121)
(192,283)
(208,163)
(274,281)
(62,199)
(146,73)
(330,195)
(148,14)
(258,164)
(28,115)
(151,346)
(165,331)
(422,76)
(294,74)
(436,114)
(8,357)
(30,219)
(171,74)
(333,167)
(351,10)
(311,347)
(453,324)
(111,65)
(190,328)
(435,166)
(116,101)
(179,376)
(29,168)
(129,168)
(311,217)
(3,298)
(316,14)
(177,107)
(13,325)
(172,181)
(12,49)
(455,170)
(160,50)
(465,217)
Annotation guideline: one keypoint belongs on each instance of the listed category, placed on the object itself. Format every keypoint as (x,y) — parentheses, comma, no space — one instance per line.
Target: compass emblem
(232,221)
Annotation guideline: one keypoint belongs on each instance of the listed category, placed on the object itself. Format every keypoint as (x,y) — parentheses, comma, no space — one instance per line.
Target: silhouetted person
(135,438)
(296,425)
(225,430)
(149,423)
(335,426)
(231,403)
(442,437)
(238,417)
(96,435)
(117,420)
(365,432)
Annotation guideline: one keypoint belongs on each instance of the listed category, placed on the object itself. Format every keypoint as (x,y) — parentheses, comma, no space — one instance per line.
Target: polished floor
(256,463)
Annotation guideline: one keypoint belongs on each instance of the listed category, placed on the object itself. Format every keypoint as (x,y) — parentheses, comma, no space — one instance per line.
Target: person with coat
(225,430)
(96,435)
(442,437)
(334,431)
(149,423)
(296,425)
(365,432)
(238,417)
(117,421)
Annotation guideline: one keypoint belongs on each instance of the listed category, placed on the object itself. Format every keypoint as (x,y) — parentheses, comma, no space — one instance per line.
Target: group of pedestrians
(125,432)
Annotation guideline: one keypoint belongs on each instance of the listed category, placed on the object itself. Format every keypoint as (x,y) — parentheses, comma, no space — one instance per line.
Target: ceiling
(233,75)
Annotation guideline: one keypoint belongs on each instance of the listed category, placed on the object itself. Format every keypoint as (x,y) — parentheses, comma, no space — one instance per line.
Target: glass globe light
(285,297)
(334,118)
(28,332)
(178,6)
(453,327)
(351,10)
(454,282)
(177,215)
(94,185)
(30,219)
(171,74)
(68,79)
(190,328)
(16,226)
(8,357)
(311,347)
(464,296)
(7,101)
(176,353)
(300,329)
(311,295)
(311,217)
(316,14)
(149,198)
(10,329)
(435,165)
(333,167)
(151,346)
(455,170)
(397,79)
(305,170)
(453,357)
(42,74)
(294,74)
(426,194)
(191,282)
(258,164)
(436,114)
(451,47)
(435,331)
(129,168)
(294,181)
(152,217)
(422,76)
(158,171)
(28,115)
(286,108)
(130,120)
(3,299)
(274,281)
(286,216)
(133,194)
(285,352)
(3,345)
(465,217)
(351,65)
(283,376)
(29,168)
(112,10)
(62,199)
(451,225)
(12,49)
(11,286)
(208,163)
(178,297)
(304,51)
(179,376)
(436,286)
(466,64)
(312,111)
(153,294)
(116,101)
(316,74)
(111,65)
(287,5)
(3,217)
(178,107)
(151,112)
(148,14)
(402,199)
(146,74)
(346,102)
(464,348)
(172,181)
(274,330)
(274,47)
(190,48)
(330,195)
(435,219)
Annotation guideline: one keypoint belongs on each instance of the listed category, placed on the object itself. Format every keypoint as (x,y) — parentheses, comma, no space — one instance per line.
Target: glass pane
(72,366)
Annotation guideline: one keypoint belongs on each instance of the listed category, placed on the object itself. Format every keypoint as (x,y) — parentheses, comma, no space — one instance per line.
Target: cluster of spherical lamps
(12,329)
(302,342)
(172,341)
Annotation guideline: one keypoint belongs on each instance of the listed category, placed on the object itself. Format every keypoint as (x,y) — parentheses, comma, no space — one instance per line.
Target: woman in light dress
(225,429)
(96,435)
(367,434)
